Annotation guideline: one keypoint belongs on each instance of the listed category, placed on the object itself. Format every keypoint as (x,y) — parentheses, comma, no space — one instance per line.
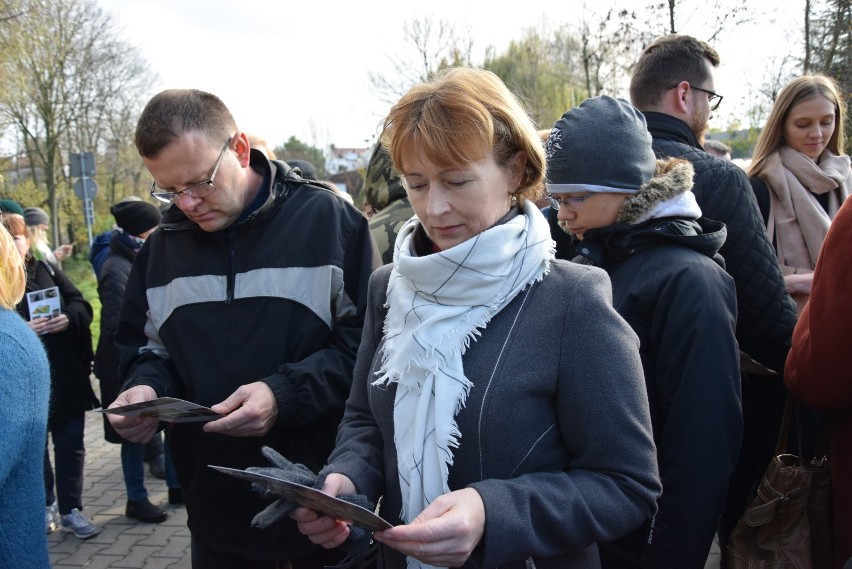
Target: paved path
(124,542)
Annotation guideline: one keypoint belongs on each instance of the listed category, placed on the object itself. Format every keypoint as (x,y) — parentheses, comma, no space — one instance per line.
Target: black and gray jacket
(278,297)
(767,314)
(668,284)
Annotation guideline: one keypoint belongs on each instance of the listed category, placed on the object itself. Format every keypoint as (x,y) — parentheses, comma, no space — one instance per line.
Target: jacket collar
(605,246)
(123,245)
(666,127)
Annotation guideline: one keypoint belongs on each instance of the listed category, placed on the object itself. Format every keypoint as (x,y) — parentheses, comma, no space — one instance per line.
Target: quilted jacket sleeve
(766,313)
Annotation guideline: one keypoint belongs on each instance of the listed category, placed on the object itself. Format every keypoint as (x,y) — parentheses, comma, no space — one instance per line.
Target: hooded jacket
(669,285)
(112,272)
(385,193)
(767,314)
(278,297)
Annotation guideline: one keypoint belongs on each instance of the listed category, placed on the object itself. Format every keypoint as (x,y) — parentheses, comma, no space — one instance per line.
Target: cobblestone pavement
(124,542)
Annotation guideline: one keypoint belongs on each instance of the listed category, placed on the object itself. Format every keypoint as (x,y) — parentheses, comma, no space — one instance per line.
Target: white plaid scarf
(436,305)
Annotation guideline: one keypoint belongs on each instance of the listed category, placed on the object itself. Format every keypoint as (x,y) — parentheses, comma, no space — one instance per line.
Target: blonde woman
(801,176)
(38,223)
(24,391)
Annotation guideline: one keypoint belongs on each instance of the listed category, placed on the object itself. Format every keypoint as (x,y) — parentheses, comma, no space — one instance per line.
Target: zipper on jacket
(229,247)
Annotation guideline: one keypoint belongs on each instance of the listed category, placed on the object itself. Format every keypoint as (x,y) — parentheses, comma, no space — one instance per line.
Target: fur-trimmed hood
(667,194)
(664,209)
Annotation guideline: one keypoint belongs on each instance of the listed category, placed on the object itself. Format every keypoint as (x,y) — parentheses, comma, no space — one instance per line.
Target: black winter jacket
(682,305)
(278,297)
(113,273)
(69,352)
(767,314)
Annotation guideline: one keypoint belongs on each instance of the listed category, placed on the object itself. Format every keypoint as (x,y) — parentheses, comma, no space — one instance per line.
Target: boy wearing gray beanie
(636,218)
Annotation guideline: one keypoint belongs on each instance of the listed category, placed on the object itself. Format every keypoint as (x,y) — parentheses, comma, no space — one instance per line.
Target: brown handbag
(788,524)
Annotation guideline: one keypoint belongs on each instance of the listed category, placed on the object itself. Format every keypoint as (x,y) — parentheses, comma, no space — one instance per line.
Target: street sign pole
(88,206)
(83,166)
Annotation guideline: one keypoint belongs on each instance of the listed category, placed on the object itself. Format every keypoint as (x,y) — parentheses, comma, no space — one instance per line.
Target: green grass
(79,270)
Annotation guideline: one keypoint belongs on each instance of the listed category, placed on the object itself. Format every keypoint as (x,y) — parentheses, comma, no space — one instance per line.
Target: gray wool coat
(556,431)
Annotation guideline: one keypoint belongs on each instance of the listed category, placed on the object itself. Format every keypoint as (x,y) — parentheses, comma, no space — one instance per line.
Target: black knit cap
(136,217)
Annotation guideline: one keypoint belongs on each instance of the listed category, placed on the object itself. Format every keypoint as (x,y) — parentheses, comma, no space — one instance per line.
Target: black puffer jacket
(767,314)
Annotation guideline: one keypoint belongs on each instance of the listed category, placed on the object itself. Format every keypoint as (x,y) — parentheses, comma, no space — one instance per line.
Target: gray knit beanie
(603,145)
(35,216)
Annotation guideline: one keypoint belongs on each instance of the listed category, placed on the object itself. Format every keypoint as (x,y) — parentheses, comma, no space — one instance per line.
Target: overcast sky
(300,68)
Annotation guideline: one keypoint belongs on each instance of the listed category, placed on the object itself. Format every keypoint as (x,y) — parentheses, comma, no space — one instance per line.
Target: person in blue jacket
(24,391)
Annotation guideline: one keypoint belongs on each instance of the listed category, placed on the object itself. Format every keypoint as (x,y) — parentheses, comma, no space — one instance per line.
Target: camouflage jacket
(386,224)
(385,193)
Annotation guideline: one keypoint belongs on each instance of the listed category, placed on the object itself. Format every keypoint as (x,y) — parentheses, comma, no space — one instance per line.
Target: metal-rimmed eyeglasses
(714,99)
(199,190)
(572,204)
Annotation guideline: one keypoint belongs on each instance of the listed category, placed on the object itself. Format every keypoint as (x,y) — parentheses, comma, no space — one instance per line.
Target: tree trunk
(672,29)
(806,64)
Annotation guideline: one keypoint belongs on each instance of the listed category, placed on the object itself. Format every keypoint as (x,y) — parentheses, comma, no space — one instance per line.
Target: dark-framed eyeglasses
(714,99)
(199,190)
(571,204)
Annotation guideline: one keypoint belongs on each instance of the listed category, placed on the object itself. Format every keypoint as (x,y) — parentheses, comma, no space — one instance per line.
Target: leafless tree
(68,86)
(611,43)
(10,10)
(828,37)
(715,18)
(431,45)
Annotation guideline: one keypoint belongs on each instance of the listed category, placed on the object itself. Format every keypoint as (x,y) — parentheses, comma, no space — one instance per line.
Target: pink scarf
(799,221)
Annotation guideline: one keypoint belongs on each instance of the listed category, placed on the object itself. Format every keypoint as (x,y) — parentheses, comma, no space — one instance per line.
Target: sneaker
(51,517)
(77,523)
(175,496)
(144,511)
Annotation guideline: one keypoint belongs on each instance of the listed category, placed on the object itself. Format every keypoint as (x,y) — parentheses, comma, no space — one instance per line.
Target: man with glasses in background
(249,299)
(672,84)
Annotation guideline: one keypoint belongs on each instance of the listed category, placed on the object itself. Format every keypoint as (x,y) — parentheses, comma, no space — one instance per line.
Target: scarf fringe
(426,337)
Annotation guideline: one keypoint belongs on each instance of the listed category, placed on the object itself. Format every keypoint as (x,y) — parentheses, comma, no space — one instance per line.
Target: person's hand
(56,324)
(799,283)
(37,325)
(134,429)
(324,530)
(249,412)
(444,534)
(63,251)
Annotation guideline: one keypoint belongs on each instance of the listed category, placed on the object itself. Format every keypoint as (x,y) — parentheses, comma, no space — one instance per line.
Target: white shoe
(51,518)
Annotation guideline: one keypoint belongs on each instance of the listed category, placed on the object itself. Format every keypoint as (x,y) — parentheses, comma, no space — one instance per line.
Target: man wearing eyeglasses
(672,84)
(249,299)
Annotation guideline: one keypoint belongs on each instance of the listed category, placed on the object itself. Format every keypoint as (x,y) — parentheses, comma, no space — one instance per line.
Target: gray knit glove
(358,541)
